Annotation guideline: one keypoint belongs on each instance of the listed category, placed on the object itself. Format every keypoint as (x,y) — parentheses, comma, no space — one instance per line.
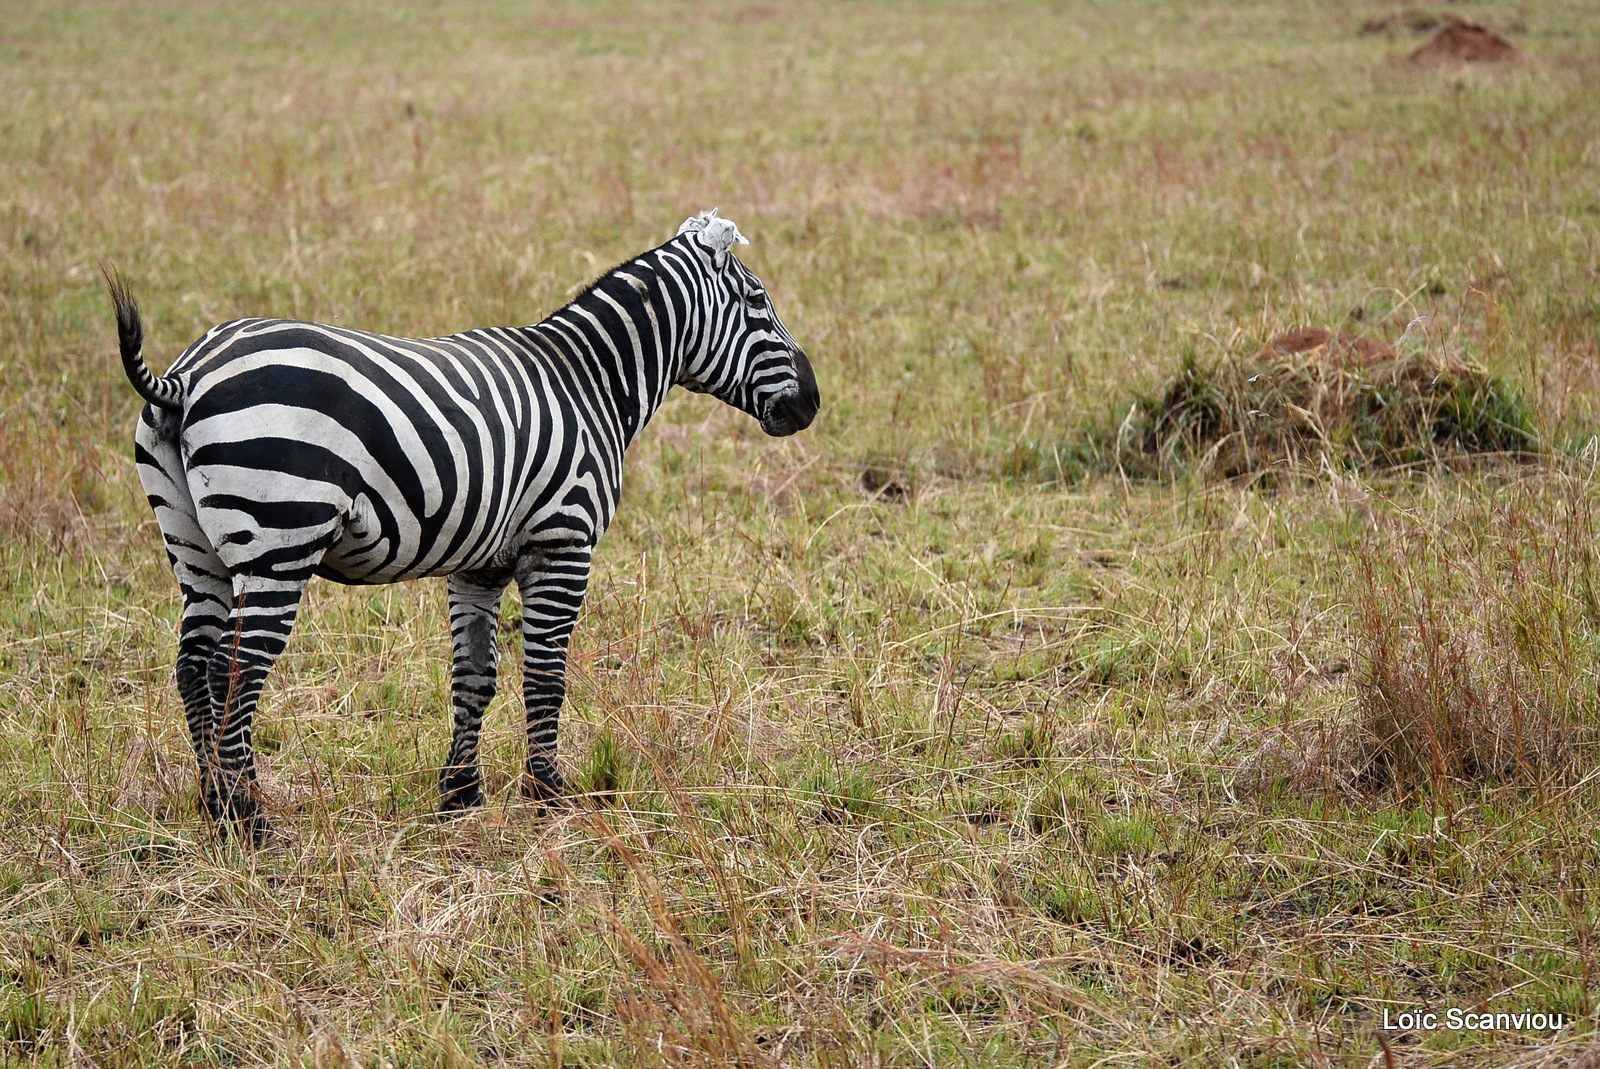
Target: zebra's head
(748,357)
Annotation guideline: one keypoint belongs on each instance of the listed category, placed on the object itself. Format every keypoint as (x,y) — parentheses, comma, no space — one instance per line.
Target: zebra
(273,450)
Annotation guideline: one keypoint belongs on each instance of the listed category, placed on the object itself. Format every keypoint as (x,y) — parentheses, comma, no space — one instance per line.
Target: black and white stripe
(274,450)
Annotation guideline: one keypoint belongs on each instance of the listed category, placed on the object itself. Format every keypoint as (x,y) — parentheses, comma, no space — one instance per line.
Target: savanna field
(1092,684)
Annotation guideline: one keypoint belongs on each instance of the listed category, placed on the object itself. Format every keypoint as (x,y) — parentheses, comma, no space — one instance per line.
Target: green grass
(925,737)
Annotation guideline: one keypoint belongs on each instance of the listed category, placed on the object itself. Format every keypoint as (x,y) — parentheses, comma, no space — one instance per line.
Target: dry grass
(1473,636)
(1475,665)
(925,738)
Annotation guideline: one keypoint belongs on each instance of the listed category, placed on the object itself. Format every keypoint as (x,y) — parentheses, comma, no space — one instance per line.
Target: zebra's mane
(603,276)
(713,231)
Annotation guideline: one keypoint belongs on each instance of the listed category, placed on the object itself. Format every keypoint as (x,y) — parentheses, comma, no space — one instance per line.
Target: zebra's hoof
(457,794)
(544,784)
(253,830)
(241,813)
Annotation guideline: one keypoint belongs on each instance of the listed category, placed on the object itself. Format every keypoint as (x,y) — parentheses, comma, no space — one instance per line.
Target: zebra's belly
(375,548)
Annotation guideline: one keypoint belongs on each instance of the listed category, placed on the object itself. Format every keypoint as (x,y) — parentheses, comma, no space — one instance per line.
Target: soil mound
(1463,41)
(1342,349)
(1314,398)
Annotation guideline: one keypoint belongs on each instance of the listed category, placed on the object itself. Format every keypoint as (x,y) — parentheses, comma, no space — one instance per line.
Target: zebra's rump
(371,459)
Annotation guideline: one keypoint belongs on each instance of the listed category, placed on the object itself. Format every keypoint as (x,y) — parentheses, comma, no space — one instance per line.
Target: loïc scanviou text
(1455,1019)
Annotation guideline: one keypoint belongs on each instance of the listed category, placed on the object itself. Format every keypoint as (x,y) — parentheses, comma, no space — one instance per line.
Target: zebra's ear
(715,233)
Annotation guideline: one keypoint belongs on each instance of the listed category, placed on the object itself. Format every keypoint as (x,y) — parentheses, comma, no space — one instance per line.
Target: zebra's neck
(630,337)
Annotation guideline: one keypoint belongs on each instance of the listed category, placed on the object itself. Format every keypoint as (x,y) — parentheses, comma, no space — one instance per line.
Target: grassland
(933,736)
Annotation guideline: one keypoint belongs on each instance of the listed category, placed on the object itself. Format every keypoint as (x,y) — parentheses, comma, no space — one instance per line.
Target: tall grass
(1476,653)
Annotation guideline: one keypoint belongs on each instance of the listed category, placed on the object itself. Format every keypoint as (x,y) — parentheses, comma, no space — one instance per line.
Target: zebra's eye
(758,300)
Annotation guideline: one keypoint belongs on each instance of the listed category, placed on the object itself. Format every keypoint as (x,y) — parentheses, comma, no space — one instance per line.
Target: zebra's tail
(163,393)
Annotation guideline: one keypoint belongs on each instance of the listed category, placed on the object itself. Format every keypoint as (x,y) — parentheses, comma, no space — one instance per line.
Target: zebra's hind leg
(474,614)
(552,583)
(207,601)
(205,581)
(258,627)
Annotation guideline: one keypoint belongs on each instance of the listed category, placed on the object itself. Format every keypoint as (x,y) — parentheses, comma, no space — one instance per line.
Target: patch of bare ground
(1463,41)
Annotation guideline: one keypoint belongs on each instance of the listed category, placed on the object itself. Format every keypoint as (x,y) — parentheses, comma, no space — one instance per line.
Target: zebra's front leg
(474,614)
(258,627)
(552,584)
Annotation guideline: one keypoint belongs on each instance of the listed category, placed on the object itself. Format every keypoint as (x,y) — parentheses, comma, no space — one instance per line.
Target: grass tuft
(1314,400)
(1476,668)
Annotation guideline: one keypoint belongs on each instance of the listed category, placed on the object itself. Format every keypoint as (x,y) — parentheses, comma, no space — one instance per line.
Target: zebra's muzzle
(793,410)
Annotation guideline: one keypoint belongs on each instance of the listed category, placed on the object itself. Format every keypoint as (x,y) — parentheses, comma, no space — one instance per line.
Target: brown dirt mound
(1464,41)
(1344,350)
